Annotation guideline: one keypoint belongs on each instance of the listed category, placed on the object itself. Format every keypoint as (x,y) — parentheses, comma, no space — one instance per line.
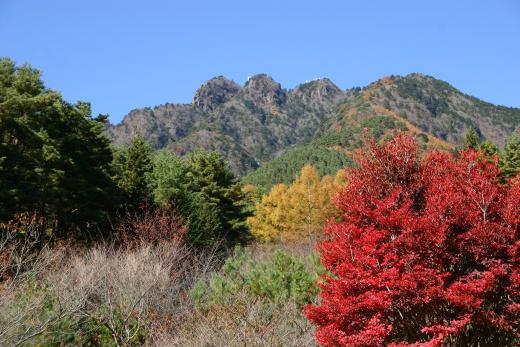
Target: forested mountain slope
(247,125)
(255,123)
(427,107)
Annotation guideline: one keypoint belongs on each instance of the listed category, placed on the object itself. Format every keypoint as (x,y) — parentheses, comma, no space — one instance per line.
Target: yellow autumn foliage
(298,211)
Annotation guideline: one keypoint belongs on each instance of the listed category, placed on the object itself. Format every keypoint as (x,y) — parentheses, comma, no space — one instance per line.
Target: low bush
(103,297)
(282,279)
(21,241)
(153,289)
(246,320)
(149,226)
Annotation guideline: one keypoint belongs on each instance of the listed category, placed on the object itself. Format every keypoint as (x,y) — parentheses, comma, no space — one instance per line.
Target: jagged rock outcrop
(265,93)
(252,124)
(247,125)
(318,91)
(215,92)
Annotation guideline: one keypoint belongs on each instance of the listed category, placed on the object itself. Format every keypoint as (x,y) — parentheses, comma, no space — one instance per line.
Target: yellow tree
(305,200)
(299,211)
(340,180)
(268,217)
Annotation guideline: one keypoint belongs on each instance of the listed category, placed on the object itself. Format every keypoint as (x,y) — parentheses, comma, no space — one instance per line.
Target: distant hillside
(286,167)
(252,124)
(431,109)
(248,124)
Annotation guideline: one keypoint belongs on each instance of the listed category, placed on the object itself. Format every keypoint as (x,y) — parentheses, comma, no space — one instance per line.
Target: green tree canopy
(472,140)
(510,159)
(204,192)
(54,156)
(286,167)
(133,164)
(489,148)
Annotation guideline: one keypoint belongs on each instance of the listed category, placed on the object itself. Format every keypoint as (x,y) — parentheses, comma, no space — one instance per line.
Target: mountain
(429,108)
(248,124)
(254,123)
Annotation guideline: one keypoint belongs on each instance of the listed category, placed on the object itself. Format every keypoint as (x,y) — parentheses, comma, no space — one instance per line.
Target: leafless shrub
(24,255)
(150,226)
(21,241)
(25,297)
(143,288)
(136,289)
(247,322)
(128,292)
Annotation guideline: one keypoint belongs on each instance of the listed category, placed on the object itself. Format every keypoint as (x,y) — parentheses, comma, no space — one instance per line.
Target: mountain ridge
(256,120)
(253,123)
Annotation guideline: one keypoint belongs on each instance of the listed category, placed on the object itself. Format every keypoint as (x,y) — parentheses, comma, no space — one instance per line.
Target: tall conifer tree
(134,165)
(472,140)
(510,160)
(55,158)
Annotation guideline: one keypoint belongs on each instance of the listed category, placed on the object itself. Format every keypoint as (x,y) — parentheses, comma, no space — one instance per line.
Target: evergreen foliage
(282,279)
(54,156)
(285,168)
(204,192)
(489,149)
(510,160)
(472,140)
(133,164)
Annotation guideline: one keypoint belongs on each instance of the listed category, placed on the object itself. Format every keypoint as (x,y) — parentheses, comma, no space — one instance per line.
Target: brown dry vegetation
(113,294)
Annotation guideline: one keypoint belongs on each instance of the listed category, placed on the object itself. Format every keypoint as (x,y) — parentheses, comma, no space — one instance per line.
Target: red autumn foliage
(427,254)
(150,226)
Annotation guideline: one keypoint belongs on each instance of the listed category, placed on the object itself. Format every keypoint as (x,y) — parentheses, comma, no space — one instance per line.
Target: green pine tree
(472,140)
(212,177)
(55,158)
(133,164)
(510,160)
(204,192)
(489,149)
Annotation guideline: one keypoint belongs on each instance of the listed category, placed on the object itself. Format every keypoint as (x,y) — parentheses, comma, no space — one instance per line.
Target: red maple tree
(427,252)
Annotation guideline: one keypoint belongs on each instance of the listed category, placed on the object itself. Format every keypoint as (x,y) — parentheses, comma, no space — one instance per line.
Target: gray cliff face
(265,93)
(321,91)
(254,123)
(247,125)
(215,92)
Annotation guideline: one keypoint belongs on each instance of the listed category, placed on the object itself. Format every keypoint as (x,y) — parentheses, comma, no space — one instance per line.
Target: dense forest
(382,216)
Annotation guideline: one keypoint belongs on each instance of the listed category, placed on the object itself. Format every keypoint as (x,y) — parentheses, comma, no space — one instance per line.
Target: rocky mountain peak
(417,75)
(263,90)
(215,92)
(319,90)
(254,123)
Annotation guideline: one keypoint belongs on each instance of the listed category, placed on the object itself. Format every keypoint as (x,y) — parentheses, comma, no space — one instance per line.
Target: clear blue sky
(121,55)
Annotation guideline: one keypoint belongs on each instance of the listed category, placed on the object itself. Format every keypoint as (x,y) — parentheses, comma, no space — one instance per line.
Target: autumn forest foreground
(379,231)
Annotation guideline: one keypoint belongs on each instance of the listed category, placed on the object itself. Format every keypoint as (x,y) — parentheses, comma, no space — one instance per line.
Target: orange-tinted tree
(428,253)
(297,212)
